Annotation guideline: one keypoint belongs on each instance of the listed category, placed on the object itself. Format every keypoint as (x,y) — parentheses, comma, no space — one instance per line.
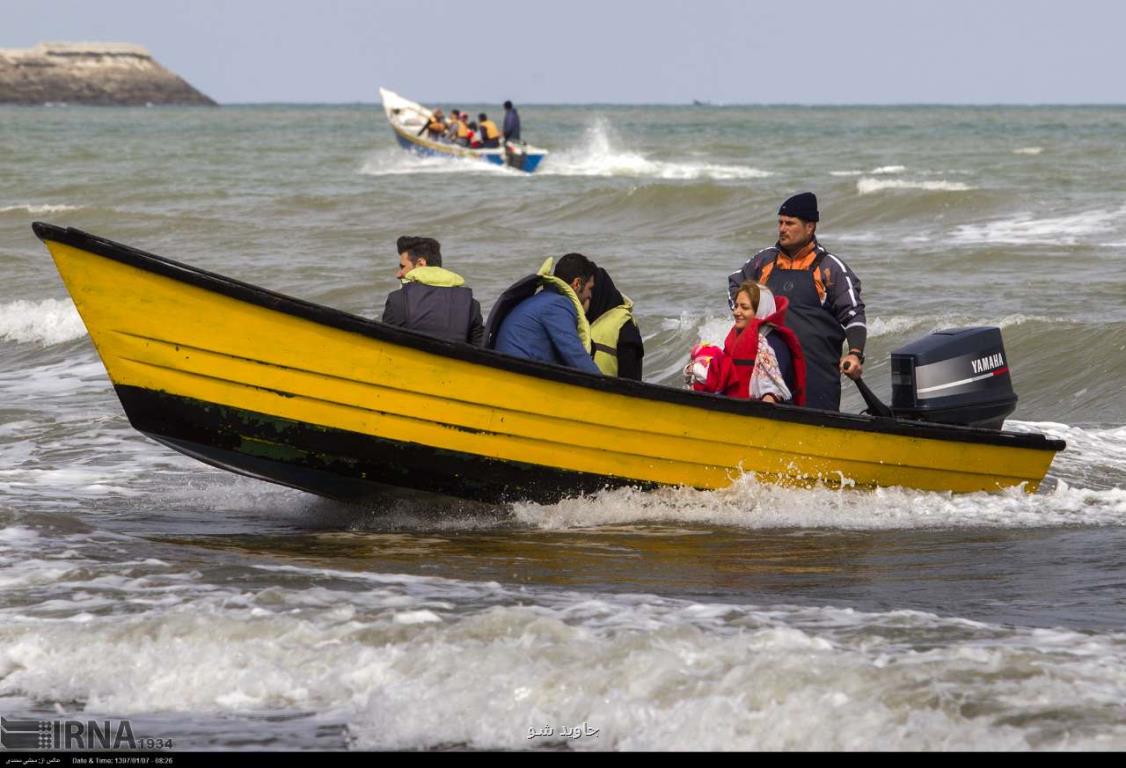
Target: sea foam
(415,663)
(883,169)
(1026,229)
(37,210)
(397,162)
(750,504)
(600,154)
(49,321)
(868,186)
(892,326)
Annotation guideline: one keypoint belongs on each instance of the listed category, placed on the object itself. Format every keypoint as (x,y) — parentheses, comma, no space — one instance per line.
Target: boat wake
(1084,488)
(396,162)
(753,505)
(600,153)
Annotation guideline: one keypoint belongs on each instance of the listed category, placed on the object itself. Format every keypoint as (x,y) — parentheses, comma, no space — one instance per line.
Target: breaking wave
(37,210)
(868,186)
(1026,229)
(50,321)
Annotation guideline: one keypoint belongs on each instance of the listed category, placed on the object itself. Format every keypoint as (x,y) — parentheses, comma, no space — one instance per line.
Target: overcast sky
(612,51)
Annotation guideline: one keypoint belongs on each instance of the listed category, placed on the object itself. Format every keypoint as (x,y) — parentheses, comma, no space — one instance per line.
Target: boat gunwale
(374,329)
(451,149)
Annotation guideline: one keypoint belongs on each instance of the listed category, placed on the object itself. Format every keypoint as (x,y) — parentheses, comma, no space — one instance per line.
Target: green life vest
(435,276)
(582,324)
(604,336)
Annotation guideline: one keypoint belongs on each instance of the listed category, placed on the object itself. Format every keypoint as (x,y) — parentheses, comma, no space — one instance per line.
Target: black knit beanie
(801,206)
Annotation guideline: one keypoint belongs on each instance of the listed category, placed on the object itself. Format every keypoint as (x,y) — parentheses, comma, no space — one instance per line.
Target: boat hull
(528,162)
(343,406)
(339,463)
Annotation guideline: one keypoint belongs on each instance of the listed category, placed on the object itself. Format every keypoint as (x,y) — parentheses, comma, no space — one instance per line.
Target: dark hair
(574,265)
(472,126)
(482,117)
(508,105)
(420,248)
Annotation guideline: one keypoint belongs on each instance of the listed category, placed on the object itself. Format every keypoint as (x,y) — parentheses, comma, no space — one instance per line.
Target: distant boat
(408,118)
(698,103)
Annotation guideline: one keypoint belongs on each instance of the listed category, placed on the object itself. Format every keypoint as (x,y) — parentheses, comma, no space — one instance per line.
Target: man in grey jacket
(433,300)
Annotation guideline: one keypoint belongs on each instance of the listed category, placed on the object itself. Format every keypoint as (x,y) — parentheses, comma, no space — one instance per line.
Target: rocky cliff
(90,73)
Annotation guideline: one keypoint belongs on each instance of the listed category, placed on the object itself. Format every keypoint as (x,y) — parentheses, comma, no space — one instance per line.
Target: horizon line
(705,104)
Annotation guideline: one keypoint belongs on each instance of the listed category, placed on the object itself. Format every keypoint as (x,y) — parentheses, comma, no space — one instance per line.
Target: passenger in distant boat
(433,300)
(615,337)
(549,325)
(474,138)
(462,129)
(511,122)
(490,136)
(761,358)
(454,126)
(824,296)
(435,125)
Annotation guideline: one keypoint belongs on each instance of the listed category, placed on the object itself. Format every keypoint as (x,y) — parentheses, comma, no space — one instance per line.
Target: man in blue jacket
(550,326)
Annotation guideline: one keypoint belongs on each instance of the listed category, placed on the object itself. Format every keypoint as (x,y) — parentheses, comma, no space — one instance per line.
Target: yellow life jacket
(604,334)
(489,128)
(462,129)
(435,276)
(582,325)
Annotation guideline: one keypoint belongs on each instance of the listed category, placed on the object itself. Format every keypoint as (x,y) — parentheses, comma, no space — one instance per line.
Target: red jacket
(729,370)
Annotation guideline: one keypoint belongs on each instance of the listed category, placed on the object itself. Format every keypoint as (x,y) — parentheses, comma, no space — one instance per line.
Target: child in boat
(474,137)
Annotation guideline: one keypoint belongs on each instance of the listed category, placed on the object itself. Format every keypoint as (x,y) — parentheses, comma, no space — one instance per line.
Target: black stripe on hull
(341,464)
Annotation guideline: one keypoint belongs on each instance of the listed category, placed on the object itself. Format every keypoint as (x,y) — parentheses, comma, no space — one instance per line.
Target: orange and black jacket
(837,285)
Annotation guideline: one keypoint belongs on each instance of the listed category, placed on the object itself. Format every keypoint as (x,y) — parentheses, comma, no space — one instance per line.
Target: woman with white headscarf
(761,358)
(766,359)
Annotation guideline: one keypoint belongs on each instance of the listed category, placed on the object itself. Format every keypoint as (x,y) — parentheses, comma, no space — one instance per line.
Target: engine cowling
(955,376)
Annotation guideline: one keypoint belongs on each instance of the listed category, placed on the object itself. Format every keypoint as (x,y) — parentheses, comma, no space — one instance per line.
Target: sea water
(225,613)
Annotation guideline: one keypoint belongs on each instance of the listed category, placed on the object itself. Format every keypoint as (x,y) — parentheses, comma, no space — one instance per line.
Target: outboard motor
(514,154)
(956,376)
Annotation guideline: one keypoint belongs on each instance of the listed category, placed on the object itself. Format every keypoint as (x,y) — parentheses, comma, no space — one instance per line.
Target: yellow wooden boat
(281,389)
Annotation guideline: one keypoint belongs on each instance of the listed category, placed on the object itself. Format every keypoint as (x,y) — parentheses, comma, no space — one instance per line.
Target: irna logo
(66,734)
